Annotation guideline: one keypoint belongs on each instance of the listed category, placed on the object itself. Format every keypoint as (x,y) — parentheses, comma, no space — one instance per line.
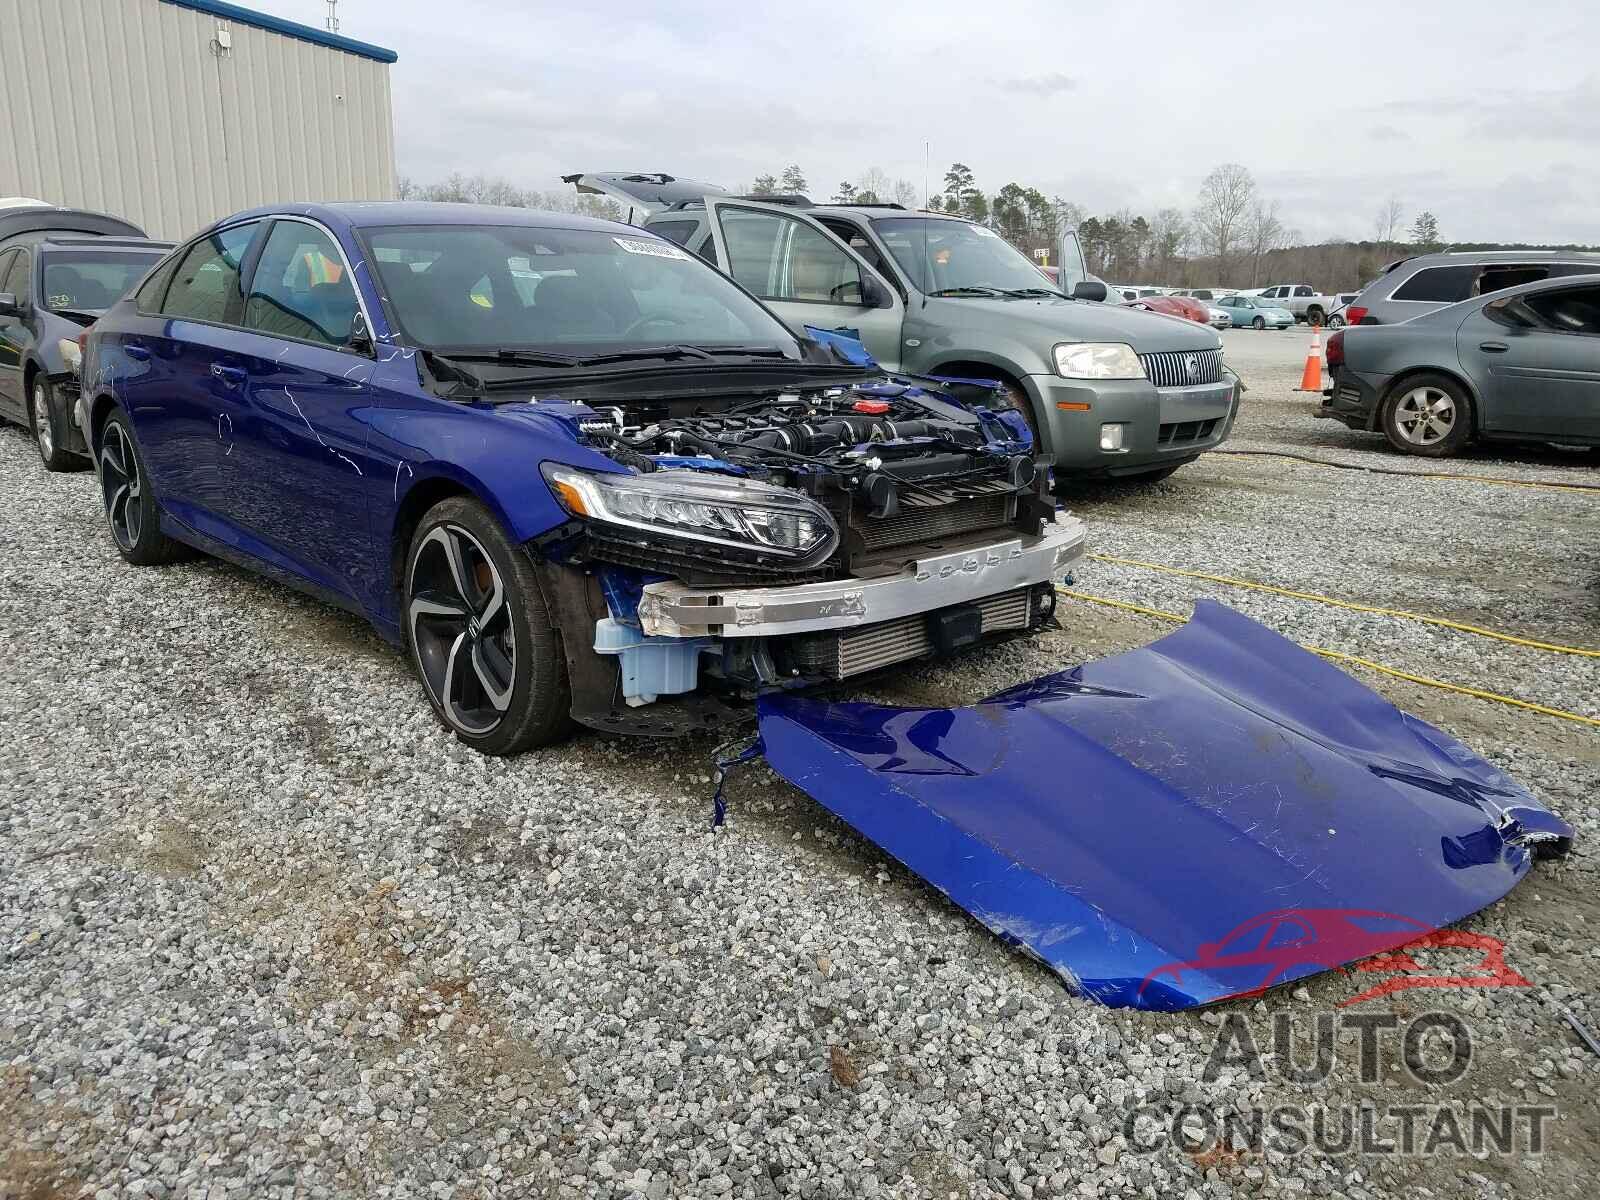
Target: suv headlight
(1098,360)
(743,515)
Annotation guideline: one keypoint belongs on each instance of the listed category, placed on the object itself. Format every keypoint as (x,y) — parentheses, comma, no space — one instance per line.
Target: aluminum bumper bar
(672,609)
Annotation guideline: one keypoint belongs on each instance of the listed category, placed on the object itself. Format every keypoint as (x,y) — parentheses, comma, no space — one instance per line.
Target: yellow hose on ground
(1341,656)
(1442,622)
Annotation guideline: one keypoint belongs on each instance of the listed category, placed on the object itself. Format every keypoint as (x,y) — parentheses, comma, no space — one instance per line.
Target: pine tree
(1425,231)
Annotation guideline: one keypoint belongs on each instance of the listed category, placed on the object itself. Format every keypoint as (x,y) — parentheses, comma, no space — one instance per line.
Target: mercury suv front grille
(1183,368)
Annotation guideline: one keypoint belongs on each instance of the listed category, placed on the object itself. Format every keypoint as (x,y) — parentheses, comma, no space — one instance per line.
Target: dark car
(1520,365)
(574,470)
(50,292)
(22,220)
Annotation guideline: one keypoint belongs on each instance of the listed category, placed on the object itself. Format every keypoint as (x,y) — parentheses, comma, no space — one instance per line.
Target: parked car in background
(1107,390)
(1209,295)
(22,219)
(1339,317)
(50,292)
(574,471)
(1520,365)
(1219,318)
(1424,284)
(1304,301)
(1175,306)
(1256,312)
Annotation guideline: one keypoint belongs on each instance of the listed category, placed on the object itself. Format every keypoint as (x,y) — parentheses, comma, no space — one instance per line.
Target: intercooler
(841,654)
(919,521)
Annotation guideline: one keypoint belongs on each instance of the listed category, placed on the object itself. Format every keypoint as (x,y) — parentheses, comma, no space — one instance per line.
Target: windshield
(944,256)
(489,288)
(91,281)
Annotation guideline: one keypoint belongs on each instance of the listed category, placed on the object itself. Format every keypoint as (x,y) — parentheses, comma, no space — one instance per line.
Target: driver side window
(781,258)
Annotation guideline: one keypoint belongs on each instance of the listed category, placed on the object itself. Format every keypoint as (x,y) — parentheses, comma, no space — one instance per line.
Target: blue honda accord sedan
(574,471)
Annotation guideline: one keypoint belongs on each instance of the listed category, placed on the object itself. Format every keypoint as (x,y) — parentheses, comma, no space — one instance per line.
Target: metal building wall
(128,107)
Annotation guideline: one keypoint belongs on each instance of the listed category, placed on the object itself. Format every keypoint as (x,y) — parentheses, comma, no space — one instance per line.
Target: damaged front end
(777,541)
(1216,813)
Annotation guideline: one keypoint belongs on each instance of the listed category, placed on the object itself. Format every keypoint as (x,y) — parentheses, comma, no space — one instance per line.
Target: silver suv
(1109,391)
(1414,287)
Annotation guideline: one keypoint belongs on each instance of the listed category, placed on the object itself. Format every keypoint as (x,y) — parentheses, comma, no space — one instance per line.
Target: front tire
(130,502)
(1155,476)
(1428,415)
(480,636)
(1259,323)
(1336,322)
(49,430)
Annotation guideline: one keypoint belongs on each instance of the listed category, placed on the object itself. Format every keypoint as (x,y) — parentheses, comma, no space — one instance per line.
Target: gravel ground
(267,932)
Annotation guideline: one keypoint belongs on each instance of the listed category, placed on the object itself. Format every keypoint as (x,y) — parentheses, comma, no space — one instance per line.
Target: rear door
(182,364)
(1538,357)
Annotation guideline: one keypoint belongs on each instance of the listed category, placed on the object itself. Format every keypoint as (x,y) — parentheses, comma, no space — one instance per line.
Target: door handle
(232,376)
(1493,347)
(136,352)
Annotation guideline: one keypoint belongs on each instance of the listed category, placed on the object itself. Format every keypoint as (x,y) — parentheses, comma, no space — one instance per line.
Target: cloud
(1388,133)
(1039,85)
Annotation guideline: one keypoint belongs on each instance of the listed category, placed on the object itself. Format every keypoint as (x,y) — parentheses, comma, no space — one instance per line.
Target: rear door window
(1303,291)
(205,286)
(1438,285)
(1509,275)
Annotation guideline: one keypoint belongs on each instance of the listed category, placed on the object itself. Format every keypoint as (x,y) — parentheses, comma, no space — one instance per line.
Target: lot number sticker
(654,249)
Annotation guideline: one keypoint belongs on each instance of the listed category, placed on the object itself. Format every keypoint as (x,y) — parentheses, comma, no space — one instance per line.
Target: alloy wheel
(43,431)
(461,627)
(122,487)
(1425,415)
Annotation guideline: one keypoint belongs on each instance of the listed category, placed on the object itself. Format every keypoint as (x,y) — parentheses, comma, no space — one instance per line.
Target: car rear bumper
(1160,426)
(672,609)
(1353,398)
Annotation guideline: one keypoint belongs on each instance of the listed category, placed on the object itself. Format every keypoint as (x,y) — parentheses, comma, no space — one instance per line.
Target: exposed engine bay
(764,542)
(894,466)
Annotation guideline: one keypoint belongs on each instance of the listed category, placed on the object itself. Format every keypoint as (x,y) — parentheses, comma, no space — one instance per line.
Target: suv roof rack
(863,204)
(91,240)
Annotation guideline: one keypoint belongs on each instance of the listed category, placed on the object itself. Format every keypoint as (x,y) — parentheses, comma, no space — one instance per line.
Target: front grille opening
(1183,368)
(1180,433)
(842,654)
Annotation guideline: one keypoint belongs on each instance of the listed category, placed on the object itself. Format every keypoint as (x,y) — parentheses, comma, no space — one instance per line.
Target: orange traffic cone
(1311,380)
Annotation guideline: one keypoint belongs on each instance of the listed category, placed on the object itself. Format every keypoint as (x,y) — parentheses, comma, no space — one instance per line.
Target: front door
(1538,356)
(806,275)
(15,279)
(294,457)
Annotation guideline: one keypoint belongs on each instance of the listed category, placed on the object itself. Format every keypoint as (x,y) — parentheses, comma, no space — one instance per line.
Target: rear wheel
(130,503)
(1314,317)
(1428,415)
(49,432)
(480,637)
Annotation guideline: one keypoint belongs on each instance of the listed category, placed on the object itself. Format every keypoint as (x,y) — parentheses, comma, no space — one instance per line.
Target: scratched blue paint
(1114,818)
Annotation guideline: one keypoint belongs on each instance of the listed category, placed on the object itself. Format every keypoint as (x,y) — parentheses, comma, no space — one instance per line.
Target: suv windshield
(488,288)
(953,256)
(91,281)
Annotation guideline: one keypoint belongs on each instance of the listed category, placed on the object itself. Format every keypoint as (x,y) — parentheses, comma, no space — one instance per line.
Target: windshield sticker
(652,248)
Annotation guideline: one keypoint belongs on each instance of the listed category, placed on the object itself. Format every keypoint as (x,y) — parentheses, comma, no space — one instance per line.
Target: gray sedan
(1521,365)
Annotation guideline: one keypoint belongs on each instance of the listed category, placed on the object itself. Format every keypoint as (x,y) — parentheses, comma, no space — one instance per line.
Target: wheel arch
(1474,403)
(99,409)
(982,365)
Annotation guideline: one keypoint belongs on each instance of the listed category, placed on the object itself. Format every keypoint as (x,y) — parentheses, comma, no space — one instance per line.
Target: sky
(1484,114)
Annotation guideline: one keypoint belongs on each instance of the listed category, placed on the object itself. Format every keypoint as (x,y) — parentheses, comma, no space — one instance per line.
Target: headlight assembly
(742,515)
(1098,360)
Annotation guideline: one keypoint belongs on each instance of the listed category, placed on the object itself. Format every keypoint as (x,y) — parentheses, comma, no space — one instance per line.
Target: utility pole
(333,16)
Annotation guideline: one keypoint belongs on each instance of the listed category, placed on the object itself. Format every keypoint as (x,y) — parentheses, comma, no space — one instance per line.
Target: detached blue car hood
(1121,819)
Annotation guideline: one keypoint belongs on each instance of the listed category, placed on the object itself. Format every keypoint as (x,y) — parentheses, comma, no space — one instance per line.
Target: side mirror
(873,293)
(360,335)
(1090,289)
(9,306)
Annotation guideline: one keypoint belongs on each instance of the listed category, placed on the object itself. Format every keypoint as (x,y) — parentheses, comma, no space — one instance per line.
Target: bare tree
(1263,234)
(1226,196)
(904,193)
(1387,223)
(873,187)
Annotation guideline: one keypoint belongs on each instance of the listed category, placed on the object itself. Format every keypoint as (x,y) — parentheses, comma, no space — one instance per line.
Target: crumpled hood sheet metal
(1114,818)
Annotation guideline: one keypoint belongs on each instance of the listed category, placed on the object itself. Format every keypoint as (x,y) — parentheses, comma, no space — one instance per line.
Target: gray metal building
(172,113)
